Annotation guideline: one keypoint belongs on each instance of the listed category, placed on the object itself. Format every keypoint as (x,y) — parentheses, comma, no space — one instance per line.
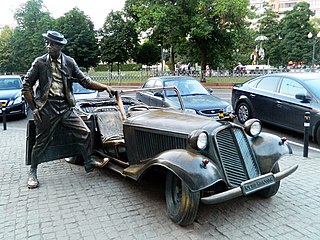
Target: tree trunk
(203,55)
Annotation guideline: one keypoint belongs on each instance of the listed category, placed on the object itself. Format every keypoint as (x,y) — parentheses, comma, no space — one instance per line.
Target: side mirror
(304,98)
(158,94)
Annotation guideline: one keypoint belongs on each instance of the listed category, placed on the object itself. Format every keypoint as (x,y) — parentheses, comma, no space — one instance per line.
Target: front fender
(268,149)
(188,166)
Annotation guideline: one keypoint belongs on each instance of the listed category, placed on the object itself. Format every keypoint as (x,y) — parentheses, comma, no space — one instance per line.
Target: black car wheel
(243,112)
(318,135)
(270,191)
(182,204)
(24,112)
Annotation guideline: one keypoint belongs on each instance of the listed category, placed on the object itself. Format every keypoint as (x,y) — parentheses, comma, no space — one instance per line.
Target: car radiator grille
(236,156)
(151,144)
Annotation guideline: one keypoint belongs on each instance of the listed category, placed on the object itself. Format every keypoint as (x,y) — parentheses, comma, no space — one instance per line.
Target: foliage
(269,27)
(148,54)
(295,27)
(27,41)
(5,49)
(208,25)
(82,43)
(119,39)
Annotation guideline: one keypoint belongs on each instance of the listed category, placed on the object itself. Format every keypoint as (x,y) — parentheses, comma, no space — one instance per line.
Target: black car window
(291,87)
(268,83)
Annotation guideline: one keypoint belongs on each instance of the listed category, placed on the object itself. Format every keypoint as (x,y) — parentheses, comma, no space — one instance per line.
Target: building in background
(281,6)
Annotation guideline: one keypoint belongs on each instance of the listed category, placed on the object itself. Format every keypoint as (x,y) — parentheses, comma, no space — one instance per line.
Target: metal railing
(212,76)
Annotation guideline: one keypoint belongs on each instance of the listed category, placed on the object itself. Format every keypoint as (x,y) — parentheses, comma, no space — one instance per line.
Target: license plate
(257,184)
(0,110)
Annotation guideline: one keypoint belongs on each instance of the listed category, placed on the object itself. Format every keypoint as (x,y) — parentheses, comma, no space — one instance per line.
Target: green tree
(82,44)
(118,39)
(208,25)
(5,49)
(148,53)
(27,41)
(295,26)
(269,27)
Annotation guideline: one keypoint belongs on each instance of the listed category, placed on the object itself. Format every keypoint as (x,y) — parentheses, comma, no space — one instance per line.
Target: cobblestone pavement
(70,204)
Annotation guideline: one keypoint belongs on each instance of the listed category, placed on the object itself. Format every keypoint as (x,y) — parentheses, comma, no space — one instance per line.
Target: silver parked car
(195,96)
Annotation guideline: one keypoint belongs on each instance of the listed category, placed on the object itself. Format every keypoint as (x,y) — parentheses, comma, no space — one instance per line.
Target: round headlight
(253,127)
(198,139)
(202,141)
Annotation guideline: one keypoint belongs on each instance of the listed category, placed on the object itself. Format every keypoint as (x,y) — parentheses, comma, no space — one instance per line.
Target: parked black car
(203,159)
(196,97)
(11,98)
(280,99)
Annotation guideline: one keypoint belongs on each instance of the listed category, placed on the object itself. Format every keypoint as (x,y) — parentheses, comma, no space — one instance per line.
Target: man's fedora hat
(55,36)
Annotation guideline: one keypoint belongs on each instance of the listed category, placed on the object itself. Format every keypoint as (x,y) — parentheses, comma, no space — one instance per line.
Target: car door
(262,99)
(157,97)
(289,111)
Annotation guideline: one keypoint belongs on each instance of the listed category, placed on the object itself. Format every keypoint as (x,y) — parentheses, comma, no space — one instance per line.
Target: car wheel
(270,191)
(243,112)
(318,135)
(24,112)
(182,204)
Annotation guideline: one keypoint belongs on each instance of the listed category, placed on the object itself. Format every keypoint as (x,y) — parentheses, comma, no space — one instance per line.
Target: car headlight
(15,101)
(198,139)
(192,111)
(253,127)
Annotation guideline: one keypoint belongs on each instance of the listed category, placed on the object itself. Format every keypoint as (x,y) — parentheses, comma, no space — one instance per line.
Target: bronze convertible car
(204,160)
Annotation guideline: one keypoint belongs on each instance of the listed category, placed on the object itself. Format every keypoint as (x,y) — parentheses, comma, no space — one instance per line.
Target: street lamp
(314,42)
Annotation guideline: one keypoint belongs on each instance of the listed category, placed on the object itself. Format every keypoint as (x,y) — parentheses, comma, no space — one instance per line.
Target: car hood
(200,102)
(9,94)
(171,120)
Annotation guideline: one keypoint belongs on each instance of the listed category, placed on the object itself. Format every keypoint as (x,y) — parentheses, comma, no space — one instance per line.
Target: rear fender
(188,166)
(268,149)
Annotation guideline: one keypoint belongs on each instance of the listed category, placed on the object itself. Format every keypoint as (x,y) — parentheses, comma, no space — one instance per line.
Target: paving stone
(71,204)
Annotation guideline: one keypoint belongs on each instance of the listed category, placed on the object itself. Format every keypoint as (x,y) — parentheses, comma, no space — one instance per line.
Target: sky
(97,10)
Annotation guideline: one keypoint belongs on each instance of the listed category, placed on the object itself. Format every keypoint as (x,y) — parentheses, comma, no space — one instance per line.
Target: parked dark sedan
(196,97)
(280,99)
(10,96)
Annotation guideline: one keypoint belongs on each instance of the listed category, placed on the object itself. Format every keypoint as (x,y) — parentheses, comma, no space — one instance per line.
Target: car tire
(24,112)
(270,191)
(244,112)
(182,203)
(318,135)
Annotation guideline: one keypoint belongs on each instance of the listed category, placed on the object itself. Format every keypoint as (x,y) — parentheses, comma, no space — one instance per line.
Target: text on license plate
(256,184)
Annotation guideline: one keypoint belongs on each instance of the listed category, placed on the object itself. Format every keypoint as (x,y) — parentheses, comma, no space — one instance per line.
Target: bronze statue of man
(47,87)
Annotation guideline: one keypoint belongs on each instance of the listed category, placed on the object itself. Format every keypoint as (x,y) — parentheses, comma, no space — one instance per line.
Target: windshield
(10,83)
(187,87)
(78,89)
(314,87)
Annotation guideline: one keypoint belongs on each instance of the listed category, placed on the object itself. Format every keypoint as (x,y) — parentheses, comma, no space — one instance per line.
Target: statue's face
(53,48)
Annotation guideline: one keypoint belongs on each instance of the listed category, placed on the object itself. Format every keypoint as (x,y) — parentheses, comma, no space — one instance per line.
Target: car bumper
(241,191)
(13,110)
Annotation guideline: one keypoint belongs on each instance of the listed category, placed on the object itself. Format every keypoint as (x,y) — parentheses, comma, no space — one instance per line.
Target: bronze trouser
(54,113)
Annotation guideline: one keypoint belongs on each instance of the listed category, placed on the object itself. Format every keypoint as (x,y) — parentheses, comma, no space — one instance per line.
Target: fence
(212,76)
